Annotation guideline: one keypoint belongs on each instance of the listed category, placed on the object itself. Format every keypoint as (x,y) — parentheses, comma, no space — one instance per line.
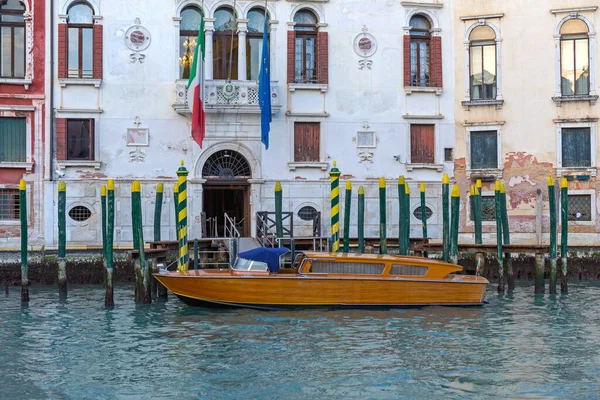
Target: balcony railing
(241,97)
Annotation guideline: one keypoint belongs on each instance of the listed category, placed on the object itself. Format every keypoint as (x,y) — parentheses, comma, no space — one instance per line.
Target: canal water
(518,345)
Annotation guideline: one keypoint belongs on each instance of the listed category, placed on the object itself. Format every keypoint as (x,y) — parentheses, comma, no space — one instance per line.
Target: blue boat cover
(266,255)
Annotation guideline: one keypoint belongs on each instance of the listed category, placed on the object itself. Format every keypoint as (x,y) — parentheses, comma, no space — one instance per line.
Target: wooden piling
(564,233)
(24,238)
(195,254)
(382,218)
(445,220)
(278,210)
(402,248)
(508,267)
(334,177)
(361,220)
(143,287)
(110,229)
(455,207)
(538,273)
(347,208)
(423,214)
(499,236)
(539,280)
(158,211)
(62,238)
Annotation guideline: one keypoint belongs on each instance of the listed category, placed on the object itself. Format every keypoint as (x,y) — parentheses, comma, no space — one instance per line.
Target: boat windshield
(242,264)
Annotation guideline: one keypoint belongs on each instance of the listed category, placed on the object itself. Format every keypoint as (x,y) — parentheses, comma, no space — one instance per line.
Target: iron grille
(417,213)
(80,213)
(580,207)
(9,204)
(488,208)
(226,165)
(307,213)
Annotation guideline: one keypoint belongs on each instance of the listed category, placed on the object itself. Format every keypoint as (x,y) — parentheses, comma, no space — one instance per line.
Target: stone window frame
(484,126)
(29,65)
(585,123)
(87,204)
(575,13)
(15,112)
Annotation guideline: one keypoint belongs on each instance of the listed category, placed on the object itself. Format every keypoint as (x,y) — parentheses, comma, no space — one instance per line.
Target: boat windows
(328,267)
(409,270)
(242,264)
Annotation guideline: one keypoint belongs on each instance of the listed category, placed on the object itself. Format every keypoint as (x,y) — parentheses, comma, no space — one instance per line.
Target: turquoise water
(518,345)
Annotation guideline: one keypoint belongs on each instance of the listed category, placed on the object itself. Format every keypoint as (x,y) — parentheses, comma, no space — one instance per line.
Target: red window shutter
(62,50)
(422,145)
(406,60)
(61,138)
(436,55)
(97,60)
(306,141)
(291,59)
(323,57)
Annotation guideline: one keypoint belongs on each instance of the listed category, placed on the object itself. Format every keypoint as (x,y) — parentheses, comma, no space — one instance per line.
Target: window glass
(19,43)
(307,213)
(419,22)
(190,19)
(305,17)
(332,267)
(254,39)
(484,149)
(573,26)
(79,140)
(73,52)
(482,33)
(86,53)
(80,14)
(409,270)
(256,21)
(579,207)
(6,49)
(12,11)
(224,20)
(9,204)
(576,151)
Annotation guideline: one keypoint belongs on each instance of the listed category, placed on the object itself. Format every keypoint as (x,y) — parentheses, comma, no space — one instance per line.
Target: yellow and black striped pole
(182,263)
(334,175)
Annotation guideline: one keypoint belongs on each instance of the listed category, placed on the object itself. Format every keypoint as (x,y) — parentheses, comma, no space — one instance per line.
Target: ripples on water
(518,345)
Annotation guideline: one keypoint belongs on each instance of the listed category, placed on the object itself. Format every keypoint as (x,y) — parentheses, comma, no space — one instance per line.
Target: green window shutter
(13,139)
(484,150)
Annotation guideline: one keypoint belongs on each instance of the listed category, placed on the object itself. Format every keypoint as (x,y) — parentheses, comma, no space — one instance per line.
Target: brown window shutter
(306,141)
(406,60)
(323,57)
(61,138)
(62,50)
(436,52)
(92,139)
(291,59)
(422,144)
(97,61)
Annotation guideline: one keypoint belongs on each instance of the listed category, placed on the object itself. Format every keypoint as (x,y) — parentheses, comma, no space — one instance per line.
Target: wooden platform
(485,248)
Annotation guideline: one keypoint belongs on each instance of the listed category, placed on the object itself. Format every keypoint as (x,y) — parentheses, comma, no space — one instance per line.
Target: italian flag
(195,92)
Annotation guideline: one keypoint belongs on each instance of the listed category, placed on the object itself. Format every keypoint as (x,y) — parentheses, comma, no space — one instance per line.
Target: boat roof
(375,257)
(270,256)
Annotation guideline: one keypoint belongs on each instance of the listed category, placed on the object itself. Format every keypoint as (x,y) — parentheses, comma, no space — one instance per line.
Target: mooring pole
(361,220)
(334,177)
(158,211)
(110,229)
(23,217)
(407,219)
(382,218)
(347,208)
(278,210)
(423,214)
(62,238)
(182,218)
(104,218)
(176,207)
(196,254)
(445,220)
(479,257)
(142,274)
(454,224)
(401,220)
(499,236)
(508,267)
(564,233)
(539,275)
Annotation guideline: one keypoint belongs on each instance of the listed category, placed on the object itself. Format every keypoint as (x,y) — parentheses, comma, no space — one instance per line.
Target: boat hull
(280,291)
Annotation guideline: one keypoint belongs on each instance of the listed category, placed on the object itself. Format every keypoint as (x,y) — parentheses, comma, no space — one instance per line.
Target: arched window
(482,62)
(225,45)
(80,41)
(574,58)
(305,47)
(420,38)
(188,38)
(12,39)
(254,38)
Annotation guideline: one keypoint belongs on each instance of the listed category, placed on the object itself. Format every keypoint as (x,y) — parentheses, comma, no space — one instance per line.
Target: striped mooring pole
(23,217)
(182,263)
(334,176)
(62,238)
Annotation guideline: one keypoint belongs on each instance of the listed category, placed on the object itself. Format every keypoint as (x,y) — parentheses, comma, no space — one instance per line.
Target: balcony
(241,98)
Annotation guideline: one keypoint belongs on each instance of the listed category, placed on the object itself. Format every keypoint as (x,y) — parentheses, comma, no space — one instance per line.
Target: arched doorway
(226,191)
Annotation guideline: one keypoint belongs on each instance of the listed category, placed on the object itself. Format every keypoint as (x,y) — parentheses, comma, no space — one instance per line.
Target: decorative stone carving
(137,38)
(365,156)
(137,155)
(365,44)
(362,64)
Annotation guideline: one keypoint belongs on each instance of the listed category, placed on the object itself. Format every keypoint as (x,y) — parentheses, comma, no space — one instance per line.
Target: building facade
(370,87)
(527,108)
(22,116)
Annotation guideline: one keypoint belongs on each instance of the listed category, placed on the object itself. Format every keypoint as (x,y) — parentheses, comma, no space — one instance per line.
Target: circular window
(80,213)
(417,212)
(307,213)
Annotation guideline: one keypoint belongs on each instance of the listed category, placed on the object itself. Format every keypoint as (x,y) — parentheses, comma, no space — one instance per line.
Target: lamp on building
(187,59)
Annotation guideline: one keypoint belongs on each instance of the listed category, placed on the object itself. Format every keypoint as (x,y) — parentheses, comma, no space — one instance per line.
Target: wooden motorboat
(259,279)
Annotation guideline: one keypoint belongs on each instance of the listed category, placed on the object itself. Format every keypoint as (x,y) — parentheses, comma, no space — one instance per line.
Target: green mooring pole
(508,267)
(62,238)
(499,236)
(423,214)
(143,288)
(539,275)
(401,210)
(278,210)
(564,233)
(157,211)
(382,218)
(347,208)
(479,257)
(455,205)
(445,220)
(23,217)
(406,215)
(104,218)
(361,220)
(110,231)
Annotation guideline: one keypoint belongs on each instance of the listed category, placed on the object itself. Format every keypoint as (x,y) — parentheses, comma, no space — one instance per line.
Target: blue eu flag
(264,89)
